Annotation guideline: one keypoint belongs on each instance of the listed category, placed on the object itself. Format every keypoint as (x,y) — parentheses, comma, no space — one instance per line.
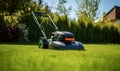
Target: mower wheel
(43,43)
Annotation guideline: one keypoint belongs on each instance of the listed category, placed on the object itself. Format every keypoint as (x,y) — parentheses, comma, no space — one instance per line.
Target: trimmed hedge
(85,32)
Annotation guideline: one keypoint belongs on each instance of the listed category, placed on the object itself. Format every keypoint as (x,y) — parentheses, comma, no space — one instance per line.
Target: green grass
(96,57)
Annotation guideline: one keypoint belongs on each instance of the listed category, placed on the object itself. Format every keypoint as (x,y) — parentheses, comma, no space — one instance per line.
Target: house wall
(117,13)
(111,16)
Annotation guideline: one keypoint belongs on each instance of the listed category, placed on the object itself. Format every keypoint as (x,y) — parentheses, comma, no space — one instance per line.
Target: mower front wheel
(43,43)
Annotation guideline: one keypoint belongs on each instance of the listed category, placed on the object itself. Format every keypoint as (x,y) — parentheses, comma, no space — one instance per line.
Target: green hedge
(90,32)
(84,32)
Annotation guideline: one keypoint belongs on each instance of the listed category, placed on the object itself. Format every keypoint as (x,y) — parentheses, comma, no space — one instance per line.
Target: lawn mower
(62,40)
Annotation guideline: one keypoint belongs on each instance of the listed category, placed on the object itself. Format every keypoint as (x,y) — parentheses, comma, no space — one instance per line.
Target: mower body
(62,40)
(65,40)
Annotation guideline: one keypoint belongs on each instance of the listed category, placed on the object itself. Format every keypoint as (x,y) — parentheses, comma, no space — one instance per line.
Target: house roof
(112,9)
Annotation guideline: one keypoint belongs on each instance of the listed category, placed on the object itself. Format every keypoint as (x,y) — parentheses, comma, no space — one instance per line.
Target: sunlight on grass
(30,58)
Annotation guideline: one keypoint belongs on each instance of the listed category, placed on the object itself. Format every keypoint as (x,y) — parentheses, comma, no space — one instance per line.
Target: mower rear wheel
(43,43)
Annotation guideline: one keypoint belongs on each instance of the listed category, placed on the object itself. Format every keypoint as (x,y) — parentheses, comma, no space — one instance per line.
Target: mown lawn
(96,57)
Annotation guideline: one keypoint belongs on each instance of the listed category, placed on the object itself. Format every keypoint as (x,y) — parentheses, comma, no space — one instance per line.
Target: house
(113,15)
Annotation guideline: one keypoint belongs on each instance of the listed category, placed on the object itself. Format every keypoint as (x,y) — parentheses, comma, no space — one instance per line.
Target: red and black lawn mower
(59,39)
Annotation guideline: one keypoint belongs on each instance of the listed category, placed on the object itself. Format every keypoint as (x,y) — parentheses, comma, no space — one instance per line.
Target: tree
(61,7)
(12,6)
(11,12)
(88,8)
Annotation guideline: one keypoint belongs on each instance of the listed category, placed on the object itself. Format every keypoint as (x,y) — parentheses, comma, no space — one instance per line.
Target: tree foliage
(88,8)
(12,6)
(61,7)
(12,13)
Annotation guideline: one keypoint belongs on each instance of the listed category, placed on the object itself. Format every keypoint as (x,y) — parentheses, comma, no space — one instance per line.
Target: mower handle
(40,14)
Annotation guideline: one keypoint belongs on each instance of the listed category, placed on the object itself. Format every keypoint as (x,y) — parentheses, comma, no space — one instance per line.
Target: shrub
(24,33)
(9,33)
(34,31)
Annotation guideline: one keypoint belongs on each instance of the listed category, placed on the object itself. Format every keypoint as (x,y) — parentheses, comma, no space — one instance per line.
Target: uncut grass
(30,58)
